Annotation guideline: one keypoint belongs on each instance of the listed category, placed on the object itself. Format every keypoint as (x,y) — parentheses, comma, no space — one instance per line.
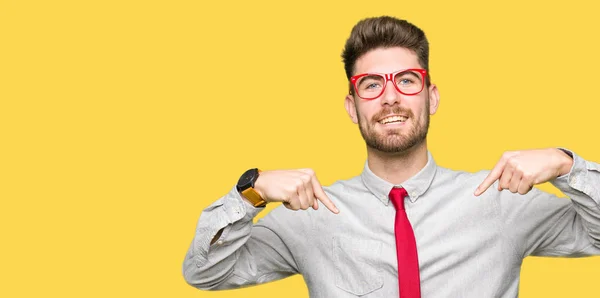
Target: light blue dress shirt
(468,246)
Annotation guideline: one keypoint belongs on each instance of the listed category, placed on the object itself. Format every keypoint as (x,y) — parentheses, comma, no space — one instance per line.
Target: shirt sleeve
(245,254)
(552,226)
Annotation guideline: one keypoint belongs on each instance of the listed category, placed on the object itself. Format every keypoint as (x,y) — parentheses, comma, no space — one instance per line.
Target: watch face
(247,179)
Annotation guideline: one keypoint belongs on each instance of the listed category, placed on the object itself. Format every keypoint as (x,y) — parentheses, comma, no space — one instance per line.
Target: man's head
(386,45)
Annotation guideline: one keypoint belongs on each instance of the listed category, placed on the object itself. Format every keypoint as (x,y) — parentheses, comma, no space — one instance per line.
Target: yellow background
(121,120)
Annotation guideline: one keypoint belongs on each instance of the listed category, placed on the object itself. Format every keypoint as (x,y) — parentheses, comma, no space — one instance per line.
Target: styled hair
(385,32)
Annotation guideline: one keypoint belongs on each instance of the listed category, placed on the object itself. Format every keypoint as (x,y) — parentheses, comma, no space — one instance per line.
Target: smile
(392,119)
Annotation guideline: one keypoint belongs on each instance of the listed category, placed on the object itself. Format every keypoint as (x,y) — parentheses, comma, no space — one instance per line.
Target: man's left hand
(519,171)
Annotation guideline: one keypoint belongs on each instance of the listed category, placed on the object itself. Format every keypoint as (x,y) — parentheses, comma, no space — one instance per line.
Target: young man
(405,227)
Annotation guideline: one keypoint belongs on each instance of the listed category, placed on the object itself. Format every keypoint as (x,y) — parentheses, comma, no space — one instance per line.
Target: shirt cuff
(238,208)
(575,177)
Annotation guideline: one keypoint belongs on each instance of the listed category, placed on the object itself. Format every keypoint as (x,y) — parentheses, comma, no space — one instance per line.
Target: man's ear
(351,108)
(434,99)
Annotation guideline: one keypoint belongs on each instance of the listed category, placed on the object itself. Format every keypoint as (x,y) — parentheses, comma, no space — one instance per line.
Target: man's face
(372,116)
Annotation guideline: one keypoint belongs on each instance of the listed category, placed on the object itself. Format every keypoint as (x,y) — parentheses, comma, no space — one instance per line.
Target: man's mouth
(392,119)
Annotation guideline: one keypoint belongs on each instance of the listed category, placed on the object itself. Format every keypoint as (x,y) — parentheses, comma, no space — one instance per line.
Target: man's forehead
(385,60)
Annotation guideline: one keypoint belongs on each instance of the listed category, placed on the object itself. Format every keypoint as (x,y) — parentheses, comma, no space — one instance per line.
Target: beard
(394,141)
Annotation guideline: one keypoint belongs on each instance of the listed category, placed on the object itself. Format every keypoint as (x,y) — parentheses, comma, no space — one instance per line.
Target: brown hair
(384,32)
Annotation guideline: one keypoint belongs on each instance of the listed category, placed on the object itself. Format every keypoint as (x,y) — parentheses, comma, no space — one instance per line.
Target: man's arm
(581,221)
(228,251)
(541,223)
(241,254)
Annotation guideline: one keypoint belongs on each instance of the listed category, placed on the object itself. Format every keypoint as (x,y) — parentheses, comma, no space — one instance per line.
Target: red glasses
(372,85)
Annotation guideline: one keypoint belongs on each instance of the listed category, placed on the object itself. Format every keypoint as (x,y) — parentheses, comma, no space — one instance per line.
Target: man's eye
(369,85)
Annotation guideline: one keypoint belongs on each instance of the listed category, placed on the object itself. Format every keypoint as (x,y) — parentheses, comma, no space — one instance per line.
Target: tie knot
(397,196)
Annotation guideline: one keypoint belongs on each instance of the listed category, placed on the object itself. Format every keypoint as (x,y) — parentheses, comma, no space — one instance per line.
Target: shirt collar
(416,186)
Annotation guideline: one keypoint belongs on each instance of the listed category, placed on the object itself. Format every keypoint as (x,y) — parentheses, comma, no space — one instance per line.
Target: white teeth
(392,119)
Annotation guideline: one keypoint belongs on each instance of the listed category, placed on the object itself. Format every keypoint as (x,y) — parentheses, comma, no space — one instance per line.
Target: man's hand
(296,189)
(519,171)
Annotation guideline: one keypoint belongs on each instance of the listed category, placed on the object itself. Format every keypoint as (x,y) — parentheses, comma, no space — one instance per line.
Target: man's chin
(388,150)
(396,146)
(388,147)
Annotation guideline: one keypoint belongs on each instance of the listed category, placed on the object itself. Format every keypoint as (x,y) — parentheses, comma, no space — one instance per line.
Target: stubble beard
(395,141)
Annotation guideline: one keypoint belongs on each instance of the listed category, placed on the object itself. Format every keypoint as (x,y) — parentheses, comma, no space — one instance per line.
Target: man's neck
(397,167)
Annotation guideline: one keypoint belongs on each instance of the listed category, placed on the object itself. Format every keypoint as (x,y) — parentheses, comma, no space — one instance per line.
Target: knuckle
(517,167)
(303,205)
(305,178)
(294,205)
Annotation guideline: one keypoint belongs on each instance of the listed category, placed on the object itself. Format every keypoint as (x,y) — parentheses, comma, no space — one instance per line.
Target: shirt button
(220,242)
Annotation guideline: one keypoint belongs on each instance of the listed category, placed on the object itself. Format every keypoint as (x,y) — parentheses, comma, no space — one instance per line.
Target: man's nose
(390,95)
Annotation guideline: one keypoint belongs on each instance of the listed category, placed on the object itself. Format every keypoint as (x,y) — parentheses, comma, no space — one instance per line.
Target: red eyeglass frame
(389,77)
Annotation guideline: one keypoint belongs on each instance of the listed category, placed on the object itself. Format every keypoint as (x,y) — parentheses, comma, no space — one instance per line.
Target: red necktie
(406,248)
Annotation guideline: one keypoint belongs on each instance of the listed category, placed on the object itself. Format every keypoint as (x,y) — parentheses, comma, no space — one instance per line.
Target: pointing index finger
(491,178)
(321,196)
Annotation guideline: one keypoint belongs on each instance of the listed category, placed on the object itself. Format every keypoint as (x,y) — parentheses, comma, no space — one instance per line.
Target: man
(405,227)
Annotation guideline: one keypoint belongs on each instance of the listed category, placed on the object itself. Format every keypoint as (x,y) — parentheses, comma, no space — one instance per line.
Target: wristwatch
(246,187)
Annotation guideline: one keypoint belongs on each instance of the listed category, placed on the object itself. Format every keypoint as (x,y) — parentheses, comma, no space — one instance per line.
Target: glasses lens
(370,86)
(409,82)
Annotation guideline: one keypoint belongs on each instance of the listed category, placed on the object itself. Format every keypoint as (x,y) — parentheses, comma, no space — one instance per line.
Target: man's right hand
(296,189)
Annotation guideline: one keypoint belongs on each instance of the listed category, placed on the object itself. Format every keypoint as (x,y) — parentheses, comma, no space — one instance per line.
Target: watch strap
(253,197)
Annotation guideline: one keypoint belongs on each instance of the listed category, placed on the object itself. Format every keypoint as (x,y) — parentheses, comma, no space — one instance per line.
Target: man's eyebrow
(371,76)
(410,72)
